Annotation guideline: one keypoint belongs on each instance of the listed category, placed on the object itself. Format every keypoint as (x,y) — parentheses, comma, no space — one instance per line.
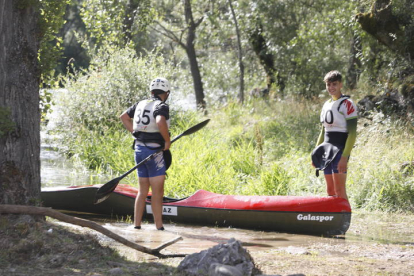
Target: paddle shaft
(146,159)
(104,192)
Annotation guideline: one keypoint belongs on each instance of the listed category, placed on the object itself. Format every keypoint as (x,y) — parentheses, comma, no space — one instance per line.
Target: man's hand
(343,164)
(167,145)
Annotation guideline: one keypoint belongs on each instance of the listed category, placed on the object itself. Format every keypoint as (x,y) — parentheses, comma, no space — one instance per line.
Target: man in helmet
(149,121)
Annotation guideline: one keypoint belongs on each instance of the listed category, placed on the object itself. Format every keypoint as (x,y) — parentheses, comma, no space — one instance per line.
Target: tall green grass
(263,148)
(377,179)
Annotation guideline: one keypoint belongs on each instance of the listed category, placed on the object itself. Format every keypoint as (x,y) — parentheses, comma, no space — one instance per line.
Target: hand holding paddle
(105,191)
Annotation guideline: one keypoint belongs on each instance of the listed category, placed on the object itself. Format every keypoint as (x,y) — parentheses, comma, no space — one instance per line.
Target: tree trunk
(19,103)
(130,11)
(240,54)
(259,45)
(354,68)
(191,53)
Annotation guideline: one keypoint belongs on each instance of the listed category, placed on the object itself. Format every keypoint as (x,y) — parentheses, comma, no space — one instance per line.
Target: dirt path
(50,249)
(375,244)
(392,252)
(324,259)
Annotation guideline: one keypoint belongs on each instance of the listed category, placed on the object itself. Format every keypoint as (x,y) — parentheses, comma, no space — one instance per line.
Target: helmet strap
(163,96)
(168,95)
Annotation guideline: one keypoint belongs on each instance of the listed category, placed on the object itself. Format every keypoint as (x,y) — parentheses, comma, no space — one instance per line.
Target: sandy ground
(375,244)
(324,259)
(369,248)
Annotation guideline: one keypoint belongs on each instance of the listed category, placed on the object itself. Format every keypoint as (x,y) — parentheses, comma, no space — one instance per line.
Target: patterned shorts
(155,166)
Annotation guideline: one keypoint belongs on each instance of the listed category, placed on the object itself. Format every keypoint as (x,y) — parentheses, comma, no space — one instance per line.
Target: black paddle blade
(105,191)
(196,128)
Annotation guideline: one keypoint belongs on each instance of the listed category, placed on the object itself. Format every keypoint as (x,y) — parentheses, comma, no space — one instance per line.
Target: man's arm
(163,127)
(127,121)
(350,141)
(321,137)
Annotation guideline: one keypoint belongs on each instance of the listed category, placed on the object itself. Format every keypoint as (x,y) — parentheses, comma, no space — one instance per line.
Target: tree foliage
(392,24)
(118,23)
(287,45)
(51,20)
(300,40)
(94,99)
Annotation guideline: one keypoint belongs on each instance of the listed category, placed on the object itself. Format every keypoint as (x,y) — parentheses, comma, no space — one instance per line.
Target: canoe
(314,215)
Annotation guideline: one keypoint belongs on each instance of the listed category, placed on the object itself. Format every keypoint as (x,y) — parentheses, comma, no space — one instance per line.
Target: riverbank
(380,244)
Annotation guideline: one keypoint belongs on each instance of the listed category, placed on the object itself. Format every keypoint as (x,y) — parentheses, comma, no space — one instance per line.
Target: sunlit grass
(377,179)
(264,149)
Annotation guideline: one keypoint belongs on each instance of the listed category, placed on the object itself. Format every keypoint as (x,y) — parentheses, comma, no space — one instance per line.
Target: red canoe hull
(292,214)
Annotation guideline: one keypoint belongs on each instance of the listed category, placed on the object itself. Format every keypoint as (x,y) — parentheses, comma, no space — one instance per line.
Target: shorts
(155,166)
(333,166)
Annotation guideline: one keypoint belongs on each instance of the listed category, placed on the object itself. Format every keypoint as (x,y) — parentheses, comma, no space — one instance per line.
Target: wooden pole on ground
(42,211)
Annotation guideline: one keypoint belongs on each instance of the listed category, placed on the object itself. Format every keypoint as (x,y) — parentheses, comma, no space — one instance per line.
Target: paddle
(105,191)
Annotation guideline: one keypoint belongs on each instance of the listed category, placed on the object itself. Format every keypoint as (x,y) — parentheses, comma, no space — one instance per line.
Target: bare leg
(157,188)
(339,180)
(330,186)
(144,185)
(335,185)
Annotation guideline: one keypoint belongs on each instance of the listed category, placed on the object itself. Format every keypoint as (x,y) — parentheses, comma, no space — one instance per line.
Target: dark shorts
(155,166)
(333,166)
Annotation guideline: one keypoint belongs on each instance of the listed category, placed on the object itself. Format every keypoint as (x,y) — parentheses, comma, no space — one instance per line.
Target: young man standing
(148,121)
(337,137)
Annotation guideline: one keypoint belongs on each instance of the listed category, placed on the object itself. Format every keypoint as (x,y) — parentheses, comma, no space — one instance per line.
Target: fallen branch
(41,211)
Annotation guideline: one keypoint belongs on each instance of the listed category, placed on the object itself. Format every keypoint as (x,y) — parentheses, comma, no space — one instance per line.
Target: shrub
(92,101)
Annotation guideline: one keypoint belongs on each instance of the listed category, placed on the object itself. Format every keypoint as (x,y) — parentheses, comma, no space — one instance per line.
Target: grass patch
(263,148)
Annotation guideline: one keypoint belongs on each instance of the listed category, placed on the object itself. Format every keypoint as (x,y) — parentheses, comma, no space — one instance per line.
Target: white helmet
(160,83)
